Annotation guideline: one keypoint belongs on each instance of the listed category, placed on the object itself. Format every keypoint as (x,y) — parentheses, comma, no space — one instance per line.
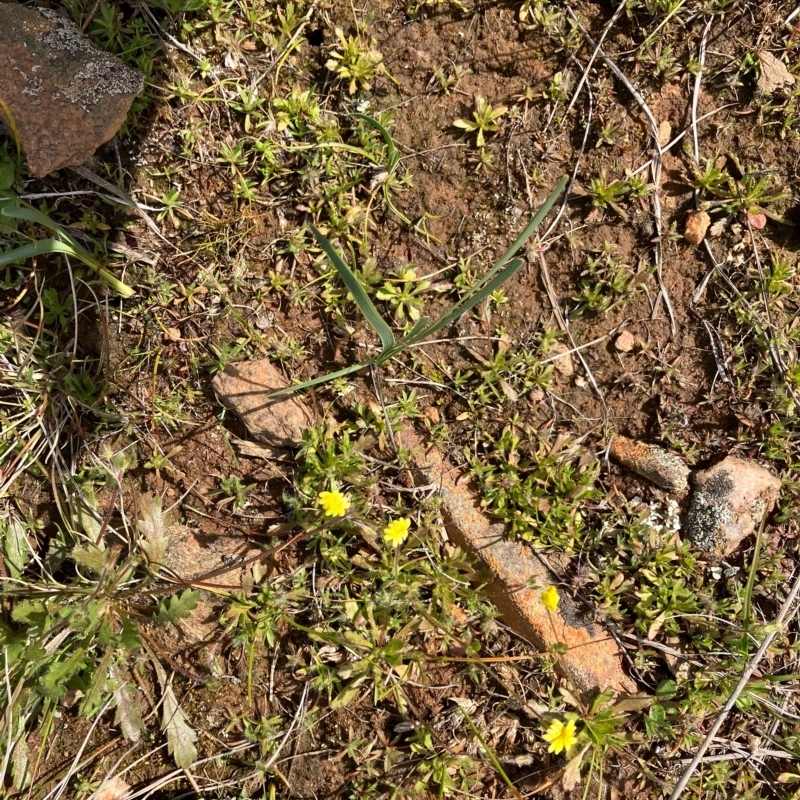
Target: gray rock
(66,97)
(728,503)
(278,422)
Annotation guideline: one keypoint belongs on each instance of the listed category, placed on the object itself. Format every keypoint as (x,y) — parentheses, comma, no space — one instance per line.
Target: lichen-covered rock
(728,503)
(664,469)
(65,95)
(279,422)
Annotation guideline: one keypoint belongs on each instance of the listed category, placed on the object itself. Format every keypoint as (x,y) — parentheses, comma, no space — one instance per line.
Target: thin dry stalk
(562,323)
(775,629)
(615,16)
(655,170)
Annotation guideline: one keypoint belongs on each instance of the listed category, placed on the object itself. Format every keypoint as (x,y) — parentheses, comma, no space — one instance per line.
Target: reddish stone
(66,96)
(244,386)
(592,661)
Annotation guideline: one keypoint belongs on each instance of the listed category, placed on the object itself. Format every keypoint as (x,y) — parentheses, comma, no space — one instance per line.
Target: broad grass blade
(464,306)
(526,234)
(64,244)
(494,278)
(48,246)
(330,376)
(357,290)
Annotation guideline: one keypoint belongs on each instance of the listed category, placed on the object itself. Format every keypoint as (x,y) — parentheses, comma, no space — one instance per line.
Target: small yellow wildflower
(560,735)
(334,504)
(396,532)
(550,598)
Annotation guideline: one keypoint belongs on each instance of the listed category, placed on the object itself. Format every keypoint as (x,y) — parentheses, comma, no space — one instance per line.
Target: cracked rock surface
(66,97)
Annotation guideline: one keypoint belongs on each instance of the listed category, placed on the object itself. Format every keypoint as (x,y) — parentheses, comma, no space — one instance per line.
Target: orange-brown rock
(592,661)
(664,469)
(65,95)
(696,227)
(244,386)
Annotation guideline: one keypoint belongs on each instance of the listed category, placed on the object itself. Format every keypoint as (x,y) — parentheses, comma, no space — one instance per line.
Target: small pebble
(664,133)
(432,413)
(563,364)
(696,226)
(664,469)
(625,342)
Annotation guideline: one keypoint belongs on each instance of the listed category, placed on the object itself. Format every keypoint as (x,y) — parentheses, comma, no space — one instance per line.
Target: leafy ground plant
(505,267)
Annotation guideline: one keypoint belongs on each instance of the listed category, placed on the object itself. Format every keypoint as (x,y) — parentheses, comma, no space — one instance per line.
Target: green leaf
(329,376)
(177,607)
(28,610)
(20,763)
(129,636)
(53,684)
(180,736)
(494,278)
(49,246)
(90,556)
(153,525)
(394,153)
(461,308)
(7,175)
(357,290)
(99,688)
(129,709)
(64,244)
(348,695)
(15,547)
(85,518)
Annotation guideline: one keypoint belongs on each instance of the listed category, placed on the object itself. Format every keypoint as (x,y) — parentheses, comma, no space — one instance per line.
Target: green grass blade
(462,307)
(48,246)
(493,279)
(64,244)
(394,153)
(526,234)
(357,290)
(330,376)
(42,247)
(492,757)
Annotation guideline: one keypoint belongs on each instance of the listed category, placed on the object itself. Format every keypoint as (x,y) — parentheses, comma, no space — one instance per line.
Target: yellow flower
(395,532)
(334,504)
(550,598)
(560,735)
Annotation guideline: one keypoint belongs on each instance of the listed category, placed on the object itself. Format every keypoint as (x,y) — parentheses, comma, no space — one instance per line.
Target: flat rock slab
(593,660)
(728,503)
(65,95)
(244,386)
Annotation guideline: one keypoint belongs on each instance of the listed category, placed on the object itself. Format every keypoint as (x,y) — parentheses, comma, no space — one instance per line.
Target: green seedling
(357,62)
(484,120)
(506,266)
(403,293)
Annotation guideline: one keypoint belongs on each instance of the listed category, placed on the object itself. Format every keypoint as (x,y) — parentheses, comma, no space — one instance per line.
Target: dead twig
(775,629)
(655,171)
(562,323)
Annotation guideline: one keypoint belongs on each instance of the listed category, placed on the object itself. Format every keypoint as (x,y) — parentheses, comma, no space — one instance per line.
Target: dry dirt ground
(711,368)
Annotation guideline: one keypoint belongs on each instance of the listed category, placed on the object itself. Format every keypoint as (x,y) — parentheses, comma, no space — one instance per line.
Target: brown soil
(666,389)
